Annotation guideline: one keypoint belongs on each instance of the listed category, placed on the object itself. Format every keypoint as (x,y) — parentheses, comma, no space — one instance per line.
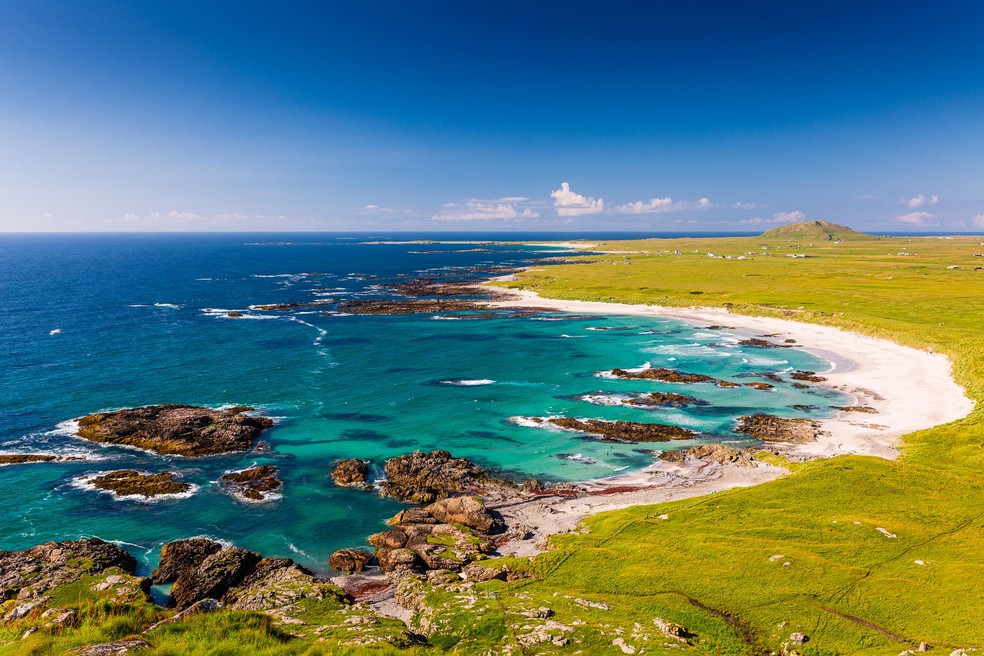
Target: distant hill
(816,231)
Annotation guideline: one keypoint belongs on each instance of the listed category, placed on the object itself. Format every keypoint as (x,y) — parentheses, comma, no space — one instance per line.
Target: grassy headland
(741,570)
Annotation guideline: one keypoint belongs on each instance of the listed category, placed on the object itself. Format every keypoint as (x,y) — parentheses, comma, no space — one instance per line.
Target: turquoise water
(137,325)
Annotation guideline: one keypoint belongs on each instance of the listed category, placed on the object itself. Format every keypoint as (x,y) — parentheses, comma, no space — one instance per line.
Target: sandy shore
(910,389)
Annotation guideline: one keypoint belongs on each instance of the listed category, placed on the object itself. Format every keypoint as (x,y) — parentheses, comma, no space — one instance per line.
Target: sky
(694,115)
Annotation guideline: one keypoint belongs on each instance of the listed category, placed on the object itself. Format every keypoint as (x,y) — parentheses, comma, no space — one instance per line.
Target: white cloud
(513,199)
(979,220)
(748,206)
(920,200)
(379,210)
(569,203)
(656,205)
(231,216)
(778,217)
(477,210)
(915,218)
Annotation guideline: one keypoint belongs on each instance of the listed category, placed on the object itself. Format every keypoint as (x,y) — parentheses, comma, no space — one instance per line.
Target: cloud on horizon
(778,217)
(569,203)
(916,218)
(656,205)
(477,210)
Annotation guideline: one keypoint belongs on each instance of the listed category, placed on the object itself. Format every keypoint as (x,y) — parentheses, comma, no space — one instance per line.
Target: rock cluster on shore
(718,453)
(176,429)
(664,400)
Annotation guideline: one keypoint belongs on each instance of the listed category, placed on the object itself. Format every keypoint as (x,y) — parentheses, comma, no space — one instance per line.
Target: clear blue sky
(684,115)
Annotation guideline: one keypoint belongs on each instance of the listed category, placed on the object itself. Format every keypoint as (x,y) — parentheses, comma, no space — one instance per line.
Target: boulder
(393,560)
(214,577)
(351,473)
(412,516)
(176,429)
(183,556)
(465,510)
(350,560)
(392,539)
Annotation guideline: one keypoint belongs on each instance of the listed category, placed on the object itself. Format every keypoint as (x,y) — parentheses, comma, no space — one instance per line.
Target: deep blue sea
(103,322)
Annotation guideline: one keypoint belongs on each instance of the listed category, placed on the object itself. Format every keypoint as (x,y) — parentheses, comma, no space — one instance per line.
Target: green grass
(718,564)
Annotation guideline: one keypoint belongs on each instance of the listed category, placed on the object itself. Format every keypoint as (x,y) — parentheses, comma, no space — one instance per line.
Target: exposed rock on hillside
(770,428)
(33,572)
(254,484)
(176,429)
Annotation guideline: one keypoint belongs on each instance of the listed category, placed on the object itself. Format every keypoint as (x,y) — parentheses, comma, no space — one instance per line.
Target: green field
(711,566)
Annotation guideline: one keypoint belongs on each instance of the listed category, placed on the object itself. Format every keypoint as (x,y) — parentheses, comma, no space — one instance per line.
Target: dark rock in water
(235,314)
(465,510)
(759,386)
(770,428)
(181,556)
(351,473)
(350,561)
(801,406)
(628,431)
(665,375)
(132,482)
(664,400)
(21,458)
(761,343)
(32,572)
(810,376)
(425,477)
(287,307)
(213,577)
(409,306)
(255,483)
(718,453)
(176,429)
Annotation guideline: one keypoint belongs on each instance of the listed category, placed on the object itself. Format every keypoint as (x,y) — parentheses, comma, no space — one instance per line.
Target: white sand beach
(910,389)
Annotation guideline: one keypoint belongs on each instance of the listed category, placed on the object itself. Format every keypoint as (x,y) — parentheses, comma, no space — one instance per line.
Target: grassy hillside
(742,570)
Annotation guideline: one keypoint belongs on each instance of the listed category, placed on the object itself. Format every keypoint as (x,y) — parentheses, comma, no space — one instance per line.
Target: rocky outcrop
(422,541)
(810,376)
(425,477)
(718,453)
(761,343)
(253,484)
(770,428)
(213,577)
(350,561)
(176,429)
(759,386)
(237,578)
(351,473)
(136,483)
(115,648)
(865,409)
(664,400)
(181,556)
(623,431)
(33,572)
(22,458)
(466,510)
(665,375)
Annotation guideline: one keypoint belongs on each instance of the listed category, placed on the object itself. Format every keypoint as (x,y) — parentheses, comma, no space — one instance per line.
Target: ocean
(101,322)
